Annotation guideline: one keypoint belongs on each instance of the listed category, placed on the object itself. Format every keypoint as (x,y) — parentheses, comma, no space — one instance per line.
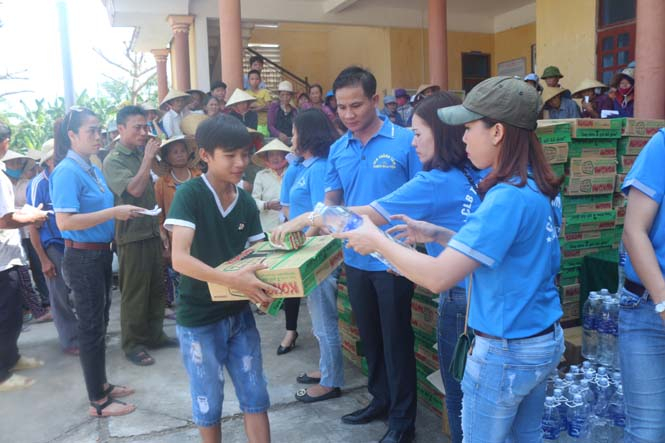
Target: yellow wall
(460,42)
(514,43)
(408,54)
(566,36)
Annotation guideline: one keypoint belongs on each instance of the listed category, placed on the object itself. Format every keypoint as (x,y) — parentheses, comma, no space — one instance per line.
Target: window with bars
(616,37)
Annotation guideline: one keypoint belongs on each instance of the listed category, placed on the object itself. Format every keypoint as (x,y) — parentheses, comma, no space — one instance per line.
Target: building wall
(566,37)
(514,43)
(460,42)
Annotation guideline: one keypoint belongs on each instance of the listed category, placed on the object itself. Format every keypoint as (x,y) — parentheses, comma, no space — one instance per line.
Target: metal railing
(273,73)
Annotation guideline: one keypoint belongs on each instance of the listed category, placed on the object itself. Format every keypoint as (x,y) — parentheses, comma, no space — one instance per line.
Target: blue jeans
(322,305)
(452,310)
(233,342)
(642,355)
(504,387)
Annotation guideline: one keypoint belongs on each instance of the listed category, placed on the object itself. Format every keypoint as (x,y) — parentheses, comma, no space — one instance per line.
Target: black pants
(381,303)
(88,274)
(36,270)
(11,320)
(291,310)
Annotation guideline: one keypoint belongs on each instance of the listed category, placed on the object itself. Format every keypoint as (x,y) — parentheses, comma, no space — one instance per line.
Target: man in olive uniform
(127,172)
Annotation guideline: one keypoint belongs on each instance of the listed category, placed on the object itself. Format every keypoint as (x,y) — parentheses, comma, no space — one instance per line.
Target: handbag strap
(468,303)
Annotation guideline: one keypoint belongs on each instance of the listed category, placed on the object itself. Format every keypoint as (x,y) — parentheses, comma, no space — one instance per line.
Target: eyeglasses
(71,112)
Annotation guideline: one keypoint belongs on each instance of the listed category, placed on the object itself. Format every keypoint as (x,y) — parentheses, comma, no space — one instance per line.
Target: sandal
(140,358)
(16,382)
(118,391)
(27,363)
(99,410)
(303,396)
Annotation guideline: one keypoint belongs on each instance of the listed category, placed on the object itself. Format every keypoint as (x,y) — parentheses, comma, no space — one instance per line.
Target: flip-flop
(27,363)
(16,382)
(120,391)
(99,410)
(140,358)
(306,379)
(304,397)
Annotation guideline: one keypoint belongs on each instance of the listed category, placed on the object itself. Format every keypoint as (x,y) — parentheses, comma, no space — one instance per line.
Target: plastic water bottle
(587,366)
(602,405)
(622,264)
(551,421)
(578,421)
(587,394)
(607,333)
(568,381)
(562,406)
(617,412)
(614,313)
(590,314)
(340,219)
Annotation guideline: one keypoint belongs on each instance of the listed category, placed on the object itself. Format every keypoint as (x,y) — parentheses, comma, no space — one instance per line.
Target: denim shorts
(234,343)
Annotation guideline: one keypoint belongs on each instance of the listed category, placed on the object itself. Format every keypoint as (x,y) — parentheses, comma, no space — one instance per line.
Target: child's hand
(246,281)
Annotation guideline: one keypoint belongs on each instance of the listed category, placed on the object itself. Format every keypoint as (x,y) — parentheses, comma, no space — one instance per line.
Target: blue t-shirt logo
(384,161)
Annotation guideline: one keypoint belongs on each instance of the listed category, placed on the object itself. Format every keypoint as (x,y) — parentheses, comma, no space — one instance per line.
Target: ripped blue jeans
(504,387)
(233,342)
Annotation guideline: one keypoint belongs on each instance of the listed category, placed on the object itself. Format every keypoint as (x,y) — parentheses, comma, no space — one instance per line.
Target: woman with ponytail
(84,213)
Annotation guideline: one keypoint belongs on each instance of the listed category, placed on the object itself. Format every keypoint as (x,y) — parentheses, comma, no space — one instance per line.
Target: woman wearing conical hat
(592,98)
(175,103)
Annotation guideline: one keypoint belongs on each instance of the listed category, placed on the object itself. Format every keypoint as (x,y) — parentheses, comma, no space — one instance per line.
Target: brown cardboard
(296,273)
(556,152)
(631,145)
(626,163)
(589,185)
(619,182)
(592,167)
(640,127)
(594,127)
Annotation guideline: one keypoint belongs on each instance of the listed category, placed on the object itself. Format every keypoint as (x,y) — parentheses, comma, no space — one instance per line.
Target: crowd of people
(467,179)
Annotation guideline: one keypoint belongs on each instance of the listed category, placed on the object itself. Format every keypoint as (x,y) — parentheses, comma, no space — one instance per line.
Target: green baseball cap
(506,99)
(551,71)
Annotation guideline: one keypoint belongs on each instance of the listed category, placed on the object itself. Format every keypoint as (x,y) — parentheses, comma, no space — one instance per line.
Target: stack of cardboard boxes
(352,347)
(594,155)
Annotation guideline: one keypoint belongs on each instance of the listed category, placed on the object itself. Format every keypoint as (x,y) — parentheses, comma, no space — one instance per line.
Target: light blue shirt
(513,236)
(442,198)
(366,173)
(307,188)
(648,176)
(78,187)
(37,194)
(287,181)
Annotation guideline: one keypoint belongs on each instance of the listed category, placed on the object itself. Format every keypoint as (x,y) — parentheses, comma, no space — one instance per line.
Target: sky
(30,40)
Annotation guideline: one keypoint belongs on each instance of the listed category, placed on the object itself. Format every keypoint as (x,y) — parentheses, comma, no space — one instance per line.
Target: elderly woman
(239,103)
(281,114)
(593,101)
(557,104)
(624,82)
(211,106)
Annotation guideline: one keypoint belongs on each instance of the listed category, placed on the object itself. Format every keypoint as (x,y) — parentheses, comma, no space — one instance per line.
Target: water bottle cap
(574,369)
(602,370)
(549,401)
(569,377)
(558,392)
(577,398)
(607,299)
(616,374)
(588,375)
(604,291)
(603,382)
(584,382)
(586,364)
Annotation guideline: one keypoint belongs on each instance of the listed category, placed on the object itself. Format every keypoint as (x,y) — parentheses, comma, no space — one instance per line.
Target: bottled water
(562,406)
(603,292)
(617,413)
(615,321)
(551,421)
(601,408)
(622,263)
(340,219)
(587,394)
(578,421)
(607,330)
(577,374)
(590,320)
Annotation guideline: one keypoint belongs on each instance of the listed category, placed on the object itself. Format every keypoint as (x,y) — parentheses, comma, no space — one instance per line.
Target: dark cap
(401,92)
(505,99)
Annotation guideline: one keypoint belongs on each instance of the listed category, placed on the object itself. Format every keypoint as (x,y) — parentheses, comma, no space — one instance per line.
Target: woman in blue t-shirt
(509,246)
(642,313)
(84,213)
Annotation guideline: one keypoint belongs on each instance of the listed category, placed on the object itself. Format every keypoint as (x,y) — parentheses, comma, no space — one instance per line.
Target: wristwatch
(660,307)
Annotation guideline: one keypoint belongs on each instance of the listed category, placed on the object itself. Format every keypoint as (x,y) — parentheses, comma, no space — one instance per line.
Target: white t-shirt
(171,123)
(11,252)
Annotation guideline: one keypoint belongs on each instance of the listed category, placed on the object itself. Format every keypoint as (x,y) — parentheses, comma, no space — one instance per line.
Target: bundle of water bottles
(600,327)
(586,406)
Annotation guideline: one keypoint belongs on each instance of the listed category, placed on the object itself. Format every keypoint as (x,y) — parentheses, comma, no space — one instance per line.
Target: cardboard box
(621,215)
(631,145)
(590,235)
(586,203)
(553,131)
(640,127)
(586,227)
(569,292)
(556,152)
(593,148)
(619,200)
(559,169)
(619,182)
(603,184)
(571,310)
(594,127)
(625,163)
(592,167)
(296,273)
(426,355)
(603,241)
(588,217)
(573,352)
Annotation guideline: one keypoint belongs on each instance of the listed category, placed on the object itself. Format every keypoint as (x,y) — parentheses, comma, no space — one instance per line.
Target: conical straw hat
(587,84)
(550,92)
(190,122)
(173,94)
(160,166)
(239,96)
(275,145)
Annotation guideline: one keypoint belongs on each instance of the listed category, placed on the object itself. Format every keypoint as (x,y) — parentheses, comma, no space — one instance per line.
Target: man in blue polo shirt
(50,247)
(371,160)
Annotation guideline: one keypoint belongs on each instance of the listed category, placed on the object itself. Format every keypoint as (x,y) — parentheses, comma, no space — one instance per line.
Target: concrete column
(230,43)
(438,43)
(202,60)
(180,25)
(162,81)
(650,60)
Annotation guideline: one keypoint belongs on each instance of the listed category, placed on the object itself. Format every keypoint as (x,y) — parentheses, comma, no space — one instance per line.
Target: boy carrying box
(212,220)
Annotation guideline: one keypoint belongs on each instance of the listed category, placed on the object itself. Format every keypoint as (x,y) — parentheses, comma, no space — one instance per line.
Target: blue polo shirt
(513,236)
(78,187)
(648,176)
(443,198)
(366,173)
(307,188)
(287,181)
(38,193)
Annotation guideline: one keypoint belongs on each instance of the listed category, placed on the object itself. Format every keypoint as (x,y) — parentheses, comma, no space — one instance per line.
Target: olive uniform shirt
(120,167)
